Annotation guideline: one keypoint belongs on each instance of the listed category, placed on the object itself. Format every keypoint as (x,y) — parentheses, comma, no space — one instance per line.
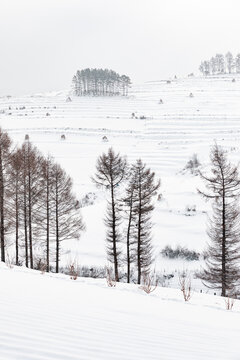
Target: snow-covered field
(171,133)
(50,317)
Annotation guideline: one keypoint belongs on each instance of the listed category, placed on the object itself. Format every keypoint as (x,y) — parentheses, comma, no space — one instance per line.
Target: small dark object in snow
(63,137)
(191,95)
(160,101)
(47,114)
(68,99)
(168,82)
(233,80)
(104,139)
(26,137)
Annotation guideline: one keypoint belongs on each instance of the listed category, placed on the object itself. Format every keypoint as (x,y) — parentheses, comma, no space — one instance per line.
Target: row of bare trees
(131,189)
(37,206)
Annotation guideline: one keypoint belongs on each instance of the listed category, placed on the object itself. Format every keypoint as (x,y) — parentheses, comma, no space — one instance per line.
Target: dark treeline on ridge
(100,82)
(38,209)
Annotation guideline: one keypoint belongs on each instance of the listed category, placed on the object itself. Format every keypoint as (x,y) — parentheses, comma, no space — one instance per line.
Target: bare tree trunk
(57,231)
(139,244)
(223,248)
(30,213)
(128,245)
(25,211)
(17,221)
(48,226)
(114,235)
(2,210)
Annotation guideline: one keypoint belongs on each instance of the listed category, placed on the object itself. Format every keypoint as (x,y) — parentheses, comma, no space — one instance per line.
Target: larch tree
(67,218)
(223,254)
(145,189)
(110,172)
(5,156)
(129,206)
(46,212)
(14,193)
(32,189)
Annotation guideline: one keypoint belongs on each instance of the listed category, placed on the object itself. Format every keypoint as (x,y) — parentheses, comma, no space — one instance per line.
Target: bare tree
(110,172)
(129,203)
(14,193)
(223,254)
(145,189)
(5,155)
(46,217)
(67,217)
(32,160)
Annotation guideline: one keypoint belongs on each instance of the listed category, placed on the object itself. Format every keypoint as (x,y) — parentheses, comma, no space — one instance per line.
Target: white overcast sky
(43,42)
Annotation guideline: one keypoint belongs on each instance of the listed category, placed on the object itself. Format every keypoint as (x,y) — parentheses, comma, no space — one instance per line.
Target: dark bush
(180,252)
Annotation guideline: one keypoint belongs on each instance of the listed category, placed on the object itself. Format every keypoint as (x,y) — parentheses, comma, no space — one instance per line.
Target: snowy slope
(165,140)
(50,317)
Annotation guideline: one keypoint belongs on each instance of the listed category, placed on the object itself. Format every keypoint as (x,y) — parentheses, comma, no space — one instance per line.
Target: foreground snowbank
(47,316)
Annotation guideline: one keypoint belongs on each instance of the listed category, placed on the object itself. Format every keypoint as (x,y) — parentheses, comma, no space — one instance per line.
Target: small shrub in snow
(111,282)
(87,200)
(229,302)
(73,271)
(185,285)
(39,264)
(193,165)
(180,252)
(104,138)
(9,261)
(164,279)
(150,283)
(190,210)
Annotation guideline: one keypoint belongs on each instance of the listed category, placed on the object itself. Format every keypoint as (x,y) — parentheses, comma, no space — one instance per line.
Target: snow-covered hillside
(46,317)
(165,135)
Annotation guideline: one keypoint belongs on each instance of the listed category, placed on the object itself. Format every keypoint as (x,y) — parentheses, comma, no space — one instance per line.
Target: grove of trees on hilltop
(100,82)
(220,64)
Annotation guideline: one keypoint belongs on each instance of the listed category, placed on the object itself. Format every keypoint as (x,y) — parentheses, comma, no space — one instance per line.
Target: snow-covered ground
(166,139)
(50,317)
